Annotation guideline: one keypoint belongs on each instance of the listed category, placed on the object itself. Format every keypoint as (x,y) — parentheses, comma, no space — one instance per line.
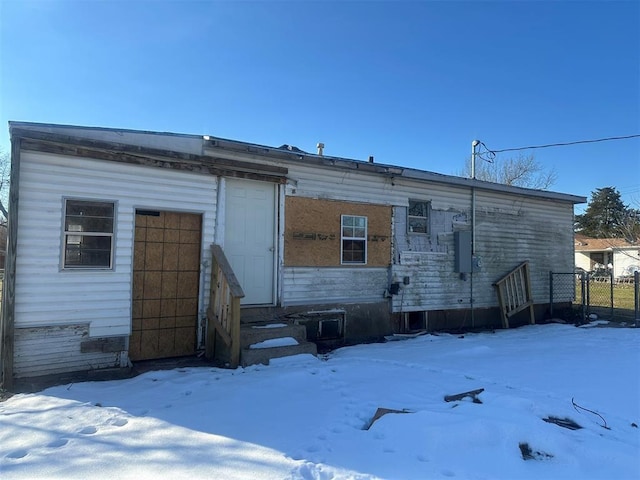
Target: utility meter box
(462,250)
(465,262)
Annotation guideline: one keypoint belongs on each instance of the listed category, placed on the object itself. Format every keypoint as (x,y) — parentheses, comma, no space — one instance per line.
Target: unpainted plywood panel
(312,232)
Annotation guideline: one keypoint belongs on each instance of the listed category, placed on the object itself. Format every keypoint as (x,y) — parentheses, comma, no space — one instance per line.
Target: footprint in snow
(88,430)
(57,443)
(17,454)
(119,422)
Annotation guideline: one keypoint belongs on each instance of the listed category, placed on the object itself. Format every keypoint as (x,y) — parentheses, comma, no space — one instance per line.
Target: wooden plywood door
(249,241)
(166,275)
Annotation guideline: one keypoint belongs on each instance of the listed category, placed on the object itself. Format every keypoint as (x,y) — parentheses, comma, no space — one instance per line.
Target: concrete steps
(275,339)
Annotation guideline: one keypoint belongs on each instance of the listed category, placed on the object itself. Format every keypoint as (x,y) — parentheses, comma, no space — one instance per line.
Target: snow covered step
(262,352)
(253,334)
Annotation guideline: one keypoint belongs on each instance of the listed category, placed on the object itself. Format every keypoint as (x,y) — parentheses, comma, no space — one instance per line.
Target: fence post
(584,282)
(588,297)
(550,294)
(611,283)
(636,287)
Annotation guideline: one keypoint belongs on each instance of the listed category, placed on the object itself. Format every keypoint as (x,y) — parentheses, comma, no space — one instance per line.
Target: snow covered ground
(306,418)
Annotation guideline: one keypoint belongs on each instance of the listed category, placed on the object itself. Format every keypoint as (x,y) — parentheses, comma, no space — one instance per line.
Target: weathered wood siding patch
(509,230)
(58,350)
(47,295)
(333,285)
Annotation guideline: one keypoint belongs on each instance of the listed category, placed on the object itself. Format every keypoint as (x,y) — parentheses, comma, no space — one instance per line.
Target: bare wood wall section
(166,273)
(312,232)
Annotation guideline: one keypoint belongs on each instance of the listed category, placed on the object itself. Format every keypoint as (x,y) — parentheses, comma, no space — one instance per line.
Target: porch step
(256,333)
(250,356)
(287,340)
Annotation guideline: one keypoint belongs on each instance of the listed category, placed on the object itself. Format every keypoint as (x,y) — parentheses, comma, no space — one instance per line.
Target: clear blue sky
(412,83)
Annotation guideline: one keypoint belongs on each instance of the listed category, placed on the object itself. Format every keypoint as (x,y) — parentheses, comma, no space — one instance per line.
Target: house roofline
(326,161)
(20,125)
(390,170)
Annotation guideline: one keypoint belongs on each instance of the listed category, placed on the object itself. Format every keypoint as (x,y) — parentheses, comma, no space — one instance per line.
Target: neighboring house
(109,257)
(603,254)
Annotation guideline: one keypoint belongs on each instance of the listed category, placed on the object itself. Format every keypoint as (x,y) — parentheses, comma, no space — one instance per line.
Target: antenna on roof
(320,147)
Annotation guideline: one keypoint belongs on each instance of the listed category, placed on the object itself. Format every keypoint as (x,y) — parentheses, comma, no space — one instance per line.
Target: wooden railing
(223,314)
(514,293)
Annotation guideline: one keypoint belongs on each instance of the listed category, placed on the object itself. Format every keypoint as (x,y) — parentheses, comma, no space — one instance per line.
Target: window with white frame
(88,234)
(354,239)
(418,217)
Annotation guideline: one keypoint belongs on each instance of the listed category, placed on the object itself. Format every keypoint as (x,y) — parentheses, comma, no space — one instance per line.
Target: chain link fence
(574,296)
(568,296)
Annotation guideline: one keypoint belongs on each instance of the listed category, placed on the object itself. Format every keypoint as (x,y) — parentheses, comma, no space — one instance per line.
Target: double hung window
(354,239)
(88,234)
(418,217)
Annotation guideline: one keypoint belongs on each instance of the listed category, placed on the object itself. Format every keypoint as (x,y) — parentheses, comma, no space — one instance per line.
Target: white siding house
(617,255)
(303,232)
(95,302)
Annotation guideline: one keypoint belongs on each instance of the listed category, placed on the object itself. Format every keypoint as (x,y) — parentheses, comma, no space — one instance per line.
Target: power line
(562,144)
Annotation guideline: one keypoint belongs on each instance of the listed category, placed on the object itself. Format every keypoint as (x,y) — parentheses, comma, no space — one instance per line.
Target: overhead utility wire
(560,144)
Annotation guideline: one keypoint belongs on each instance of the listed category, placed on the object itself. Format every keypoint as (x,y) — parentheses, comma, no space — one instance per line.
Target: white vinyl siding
(327,285)
(47,295)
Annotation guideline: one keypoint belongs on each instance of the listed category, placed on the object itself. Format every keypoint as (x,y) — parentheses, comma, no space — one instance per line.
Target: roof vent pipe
(370,158)
(320,147)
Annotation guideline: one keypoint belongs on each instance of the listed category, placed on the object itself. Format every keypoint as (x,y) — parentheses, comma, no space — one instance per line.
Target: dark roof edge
(35,125)
(393,170)
(497,187)
(361,165)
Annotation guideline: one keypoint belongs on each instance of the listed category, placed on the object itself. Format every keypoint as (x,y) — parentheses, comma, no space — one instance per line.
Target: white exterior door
(249,238)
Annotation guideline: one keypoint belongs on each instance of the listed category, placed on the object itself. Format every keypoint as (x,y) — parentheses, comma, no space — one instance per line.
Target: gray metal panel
(462,251)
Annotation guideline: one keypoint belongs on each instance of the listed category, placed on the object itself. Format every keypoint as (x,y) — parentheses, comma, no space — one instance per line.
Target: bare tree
(520,171)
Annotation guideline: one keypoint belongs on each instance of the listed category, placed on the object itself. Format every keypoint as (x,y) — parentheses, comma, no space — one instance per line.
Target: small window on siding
(88,234)
(418,217)
(354,239)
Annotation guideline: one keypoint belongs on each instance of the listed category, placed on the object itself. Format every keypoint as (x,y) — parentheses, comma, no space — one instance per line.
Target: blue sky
(411,83)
